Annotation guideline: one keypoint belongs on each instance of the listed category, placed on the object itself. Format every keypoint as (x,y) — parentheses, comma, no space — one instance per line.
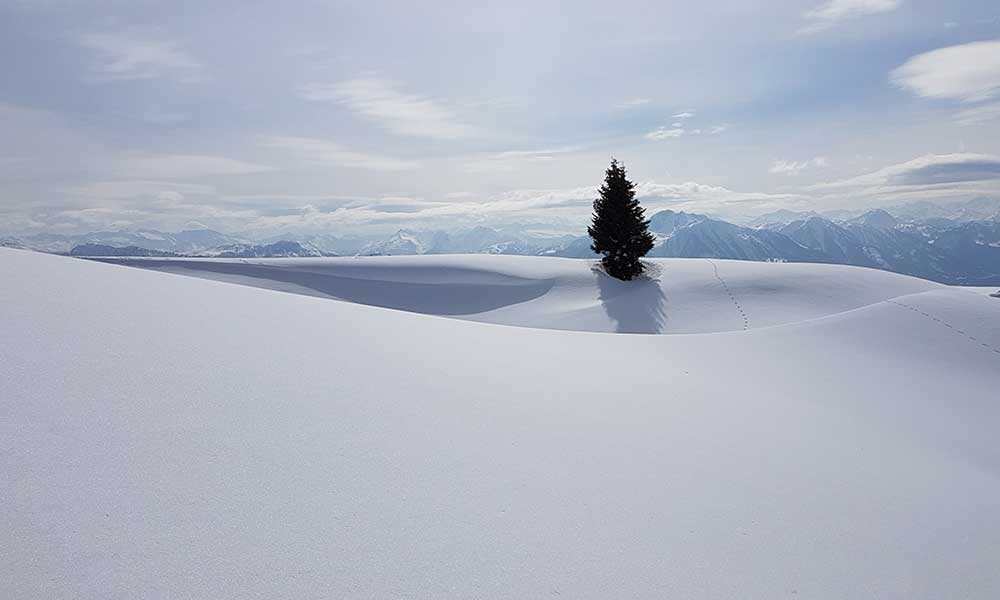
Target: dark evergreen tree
(619,228)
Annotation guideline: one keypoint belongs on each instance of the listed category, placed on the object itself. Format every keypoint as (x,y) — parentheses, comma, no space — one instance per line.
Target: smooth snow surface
(676,296)
(171,437)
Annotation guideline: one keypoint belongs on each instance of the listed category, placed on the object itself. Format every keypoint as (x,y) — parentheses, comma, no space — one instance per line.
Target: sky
(364,116)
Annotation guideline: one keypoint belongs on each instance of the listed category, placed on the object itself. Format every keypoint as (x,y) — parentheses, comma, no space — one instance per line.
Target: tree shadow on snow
(636,306)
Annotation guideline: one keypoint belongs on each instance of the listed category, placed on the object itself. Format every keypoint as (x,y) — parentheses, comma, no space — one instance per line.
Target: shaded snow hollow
(675,296)
(167,436)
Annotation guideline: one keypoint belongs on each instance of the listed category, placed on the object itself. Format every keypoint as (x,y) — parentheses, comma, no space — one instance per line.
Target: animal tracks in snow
(961,332)
(739,307)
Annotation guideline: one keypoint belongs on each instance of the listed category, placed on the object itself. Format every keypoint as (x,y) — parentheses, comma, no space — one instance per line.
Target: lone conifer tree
(619,228)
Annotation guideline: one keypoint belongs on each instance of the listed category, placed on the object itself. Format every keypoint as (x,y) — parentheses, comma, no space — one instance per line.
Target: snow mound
(173,437)
(677,295)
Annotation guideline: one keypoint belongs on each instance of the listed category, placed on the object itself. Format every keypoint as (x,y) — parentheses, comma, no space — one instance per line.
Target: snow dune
(168,436)
(678,295)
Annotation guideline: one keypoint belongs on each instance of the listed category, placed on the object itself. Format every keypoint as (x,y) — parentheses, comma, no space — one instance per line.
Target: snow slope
(171,437)
(678,296)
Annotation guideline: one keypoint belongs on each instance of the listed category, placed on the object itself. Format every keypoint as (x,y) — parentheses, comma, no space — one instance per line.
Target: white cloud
(572,205)
(832,12)
(926,177)
(145,202)
(183,166)
(677,129)
(316,151)
(118,57)
(665,133)
(698,197)
(395,111)
(968,72)
(142,189)
(978,114)
(41,148)
(791,167)
(565,210)
(634,103)
(511,160)
(545,154)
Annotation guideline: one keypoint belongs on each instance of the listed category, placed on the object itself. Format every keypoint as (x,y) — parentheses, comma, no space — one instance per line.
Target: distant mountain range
(182,242)
(280,249)
(478,240)
(959,253)
(958,243)
(106,250)
(976,209)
